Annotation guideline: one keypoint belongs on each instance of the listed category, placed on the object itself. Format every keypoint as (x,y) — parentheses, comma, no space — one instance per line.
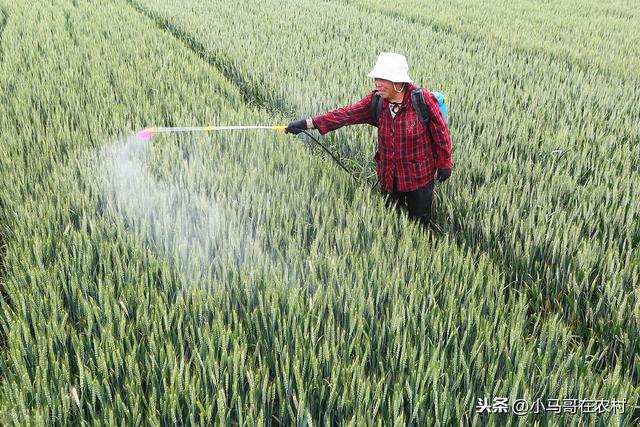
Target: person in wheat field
(411,150)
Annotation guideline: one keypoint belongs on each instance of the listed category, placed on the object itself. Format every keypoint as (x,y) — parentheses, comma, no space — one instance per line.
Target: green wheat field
(241,278)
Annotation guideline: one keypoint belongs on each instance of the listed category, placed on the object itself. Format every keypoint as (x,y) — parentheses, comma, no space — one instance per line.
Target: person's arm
(358,113)
(440,138)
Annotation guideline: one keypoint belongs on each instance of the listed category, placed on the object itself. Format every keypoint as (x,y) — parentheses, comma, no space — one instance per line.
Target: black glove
(443,174)
(296,127)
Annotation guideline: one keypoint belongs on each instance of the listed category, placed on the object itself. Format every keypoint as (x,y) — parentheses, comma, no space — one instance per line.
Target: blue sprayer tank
(442,100)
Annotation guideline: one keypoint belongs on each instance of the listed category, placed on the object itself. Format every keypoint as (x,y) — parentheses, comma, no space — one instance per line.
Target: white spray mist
(183,225)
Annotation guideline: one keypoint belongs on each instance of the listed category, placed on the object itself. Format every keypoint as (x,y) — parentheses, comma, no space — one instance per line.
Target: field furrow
(4,297)
(3,22)
(251,91)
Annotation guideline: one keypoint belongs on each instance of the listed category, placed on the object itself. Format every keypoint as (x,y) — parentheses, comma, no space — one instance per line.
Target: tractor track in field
(5,298)
(253,94)
(3,274)
(3,23)
(610,76)
(3,248)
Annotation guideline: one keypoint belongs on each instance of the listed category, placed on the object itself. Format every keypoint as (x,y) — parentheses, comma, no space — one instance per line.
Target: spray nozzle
(146,134)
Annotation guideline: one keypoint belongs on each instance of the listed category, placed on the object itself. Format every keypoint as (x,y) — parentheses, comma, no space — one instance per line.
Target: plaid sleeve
(358,113)
(441,140)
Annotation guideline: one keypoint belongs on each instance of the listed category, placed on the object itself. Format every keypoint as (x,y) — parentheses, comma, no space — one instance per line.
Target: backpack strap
(417,99)
(376,107)
(419,105)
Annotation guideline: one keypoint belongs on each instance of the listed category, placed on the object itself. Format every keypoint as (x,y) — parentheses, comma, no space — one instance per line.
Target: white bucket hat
(391,66)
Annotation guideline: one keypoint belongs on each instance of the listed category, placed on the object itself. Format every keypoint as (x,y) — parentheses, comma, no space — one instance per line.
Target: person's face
(385,88)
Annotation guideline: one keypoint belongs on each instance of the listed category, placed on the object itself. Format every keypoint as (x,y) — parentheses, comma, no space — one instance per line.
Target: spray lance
(148,133)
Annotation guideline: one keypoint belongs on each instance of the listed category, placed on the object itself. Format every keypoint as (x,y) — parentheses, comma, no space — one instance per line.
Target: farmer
(409,153)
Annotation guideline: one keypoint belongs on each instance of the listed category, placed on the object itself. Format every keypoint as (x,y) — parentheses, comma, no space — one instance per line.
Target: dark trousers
(417,202)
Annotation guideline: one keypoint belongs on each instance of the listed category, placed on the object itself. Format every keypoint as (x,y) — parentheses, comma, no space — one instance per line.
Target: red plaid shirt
(405,147)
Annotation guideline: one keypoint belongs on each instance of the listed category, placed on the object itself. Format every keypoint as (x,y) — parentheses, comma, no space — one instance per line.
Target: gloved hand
(296,127)
(443,174)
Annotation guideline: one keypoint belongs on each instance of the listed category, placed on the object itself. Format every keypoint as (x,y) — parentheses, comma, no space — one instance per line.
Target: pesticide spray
(193,230)
(157,210)
(203,237)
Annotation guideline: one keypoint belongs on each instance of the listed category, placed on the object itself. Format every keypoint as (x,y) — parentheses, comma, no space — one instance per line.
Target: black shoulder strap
(376,107)
(419,105)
